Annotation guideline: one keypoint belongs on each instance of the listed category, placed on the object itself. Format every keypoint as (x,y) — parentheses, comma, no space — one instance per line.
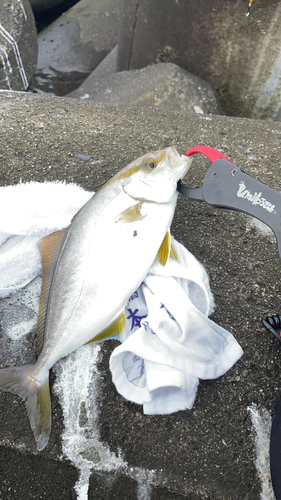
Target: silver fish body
(91,269)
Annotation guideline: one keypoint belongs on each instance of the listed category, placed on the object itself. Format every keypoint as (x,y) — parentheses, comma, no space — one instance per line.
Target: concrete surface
(238,55)
(18,44)
(106,68)
(219,449)
(162,85)
(72,46)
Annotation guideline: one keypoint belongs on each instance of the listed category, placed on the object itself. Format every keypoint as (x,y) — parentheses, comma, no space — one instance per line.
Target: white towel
(32,210)
(168,342)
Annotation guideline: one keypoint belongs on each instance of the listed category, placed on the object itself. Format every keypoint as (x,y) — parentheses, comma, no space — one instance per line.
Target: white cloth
(168,342)
(32,210)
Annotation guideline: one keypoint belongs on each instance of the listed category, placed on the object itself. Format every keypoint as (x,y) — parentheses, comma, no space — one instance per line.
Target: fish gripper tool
(227,186)
(273,325)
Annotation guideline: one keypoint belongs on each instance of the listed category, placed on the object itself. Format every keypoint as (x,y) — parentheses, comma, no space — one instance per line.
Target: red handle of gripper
(210,153)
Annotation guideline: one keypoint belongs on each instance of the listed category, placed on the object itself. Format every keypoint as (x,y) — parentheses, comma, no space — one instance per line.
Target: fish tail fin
(20,380)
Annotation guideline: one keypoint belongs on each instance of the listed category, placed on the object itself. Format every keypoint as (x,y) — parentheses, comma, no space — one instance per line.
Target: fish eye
(149,164)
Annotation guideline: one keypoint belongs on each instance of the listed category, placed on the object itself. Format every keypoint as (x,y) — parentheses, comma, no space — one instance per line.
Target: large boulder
(73,45)
(238,55)
(18,45)
(211,451)
(162,85)
(105,69)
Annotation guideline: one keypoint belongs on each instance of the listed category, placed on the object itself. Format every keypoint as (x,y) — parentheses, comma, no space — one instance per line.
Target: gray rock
(162,85)
(105,69)
(206,452)
(18,44)
(238,55)
(73,45)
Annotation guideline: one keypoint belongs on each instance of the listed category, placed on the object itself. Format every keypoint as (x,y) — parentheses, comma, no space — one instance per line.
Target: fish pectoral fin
(165,249)
(173,252)
(131,214)
(114,328)
(19,380)
(49,247)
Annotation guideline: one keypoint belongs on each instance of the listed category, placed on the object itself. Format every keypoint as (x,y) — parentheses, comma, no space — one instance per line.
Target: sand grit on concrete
(207,452)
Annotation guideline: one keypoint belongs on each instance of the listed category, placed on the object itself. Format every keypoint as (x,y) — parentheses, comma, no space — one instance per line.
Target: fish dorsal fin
(164,250)
(114,328)
(49,247)
(173,253)
(131,214)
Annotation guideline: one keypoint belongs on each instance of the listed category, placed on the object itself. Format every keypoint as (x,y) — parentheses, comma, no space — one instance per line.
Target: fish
(92,267)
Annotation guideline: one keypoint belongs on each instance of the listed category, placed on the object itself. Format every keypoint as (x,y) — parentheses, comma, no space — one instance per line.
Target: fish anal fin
(113,329)
(131,214)
(164,250)
(49,247)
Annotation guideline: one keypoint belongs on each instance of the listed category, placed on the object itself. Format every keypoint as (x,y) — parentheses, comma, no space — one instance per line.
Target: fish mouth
(179,163)
(173,156)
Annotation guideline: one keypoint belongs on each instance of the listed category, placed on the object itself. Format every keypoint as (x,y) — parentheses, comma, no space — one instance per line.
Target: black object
(227,186)
(275,451)
(273,325)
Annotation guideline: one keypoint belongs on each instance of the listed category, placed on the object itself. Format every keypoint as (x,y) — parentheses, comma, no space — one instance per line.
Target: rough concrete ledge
(210,451)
